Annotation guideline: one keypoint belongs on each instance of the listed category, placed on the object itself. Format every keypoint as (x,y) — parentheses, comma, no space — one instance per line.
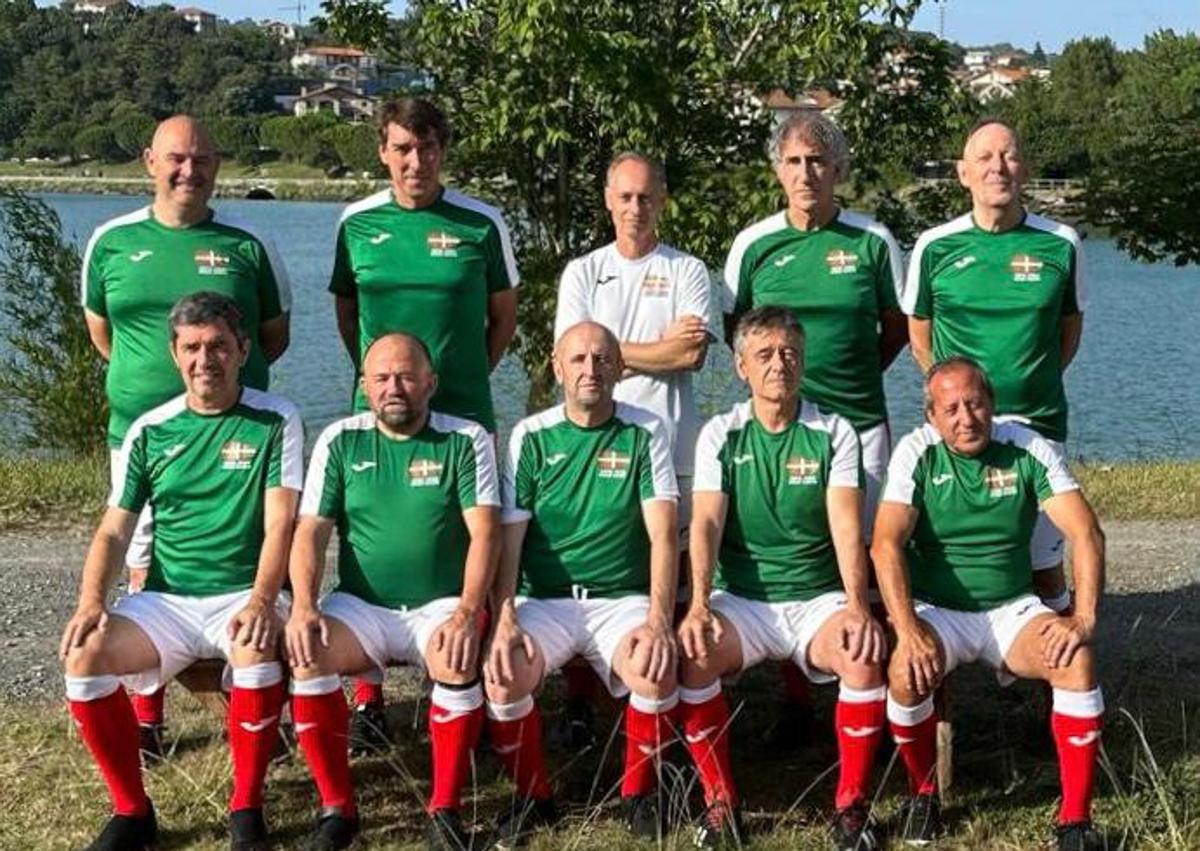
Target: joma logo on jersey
(801,470)
(612,465)
(656,286)
(1000,482)
(442,244)
(211,263)
(236,455)
(1026,267)
(841,262)
(424,473)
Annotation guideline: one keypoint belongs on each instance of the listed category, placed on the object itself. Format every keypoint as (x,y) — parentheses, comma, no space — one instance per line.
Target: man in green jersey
(777,516)
(429,261)
(1005,288)
(841,274)
(136,266)
(433,262)
(220,467)
(951,550)
(589,514)
(414,496)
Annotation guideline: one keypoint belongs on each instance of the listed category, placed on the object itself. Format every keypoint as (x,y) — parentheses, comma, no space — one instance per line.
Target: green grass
(135,169)
(1151,490)
(36,491)
(1003,798)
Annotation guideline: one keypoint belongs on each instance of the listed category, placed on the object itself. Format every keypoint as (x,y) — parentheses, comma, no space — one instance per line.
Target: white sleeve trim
(742,243)
(487,486)
(291,470)
(895,257)
(509,512)
(912,283)
(845,465)
(133,218)
(662,471)
(707,477)
(1072,236)
(1042,450)
(901,484)
(379,199)
(314,482)
(153,417)
(279,271)
(458,199)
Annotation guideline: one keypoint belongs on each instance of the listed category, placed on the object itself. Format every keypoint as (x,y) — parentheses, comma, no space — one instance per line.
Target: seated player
(777,509)
(221,468)
(415,499)
(951,551)
(590,528)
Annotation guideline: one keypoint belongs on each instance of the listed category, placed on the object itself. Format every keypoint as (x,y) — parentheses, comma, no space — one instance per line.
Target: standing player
(655,299)
(136,267)
(432,262)
(840,273)
(416,597)
(1005,288)
(951,551)
(590,528)
(220,468)
(778,508)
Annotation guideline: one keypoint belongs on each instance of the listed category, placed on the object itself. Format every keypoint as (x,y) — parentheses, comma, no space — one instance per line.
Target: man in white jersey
(656,300)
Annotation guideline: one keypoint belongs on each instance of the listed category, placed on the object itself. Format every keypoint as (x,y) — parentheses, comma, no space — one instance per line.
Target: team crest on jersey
(1000,482)
(656,286)
(801,470)
(442,244)
(1026,268)
(841,262)
(613,464)
(424,473)
(209,262)
(236,455)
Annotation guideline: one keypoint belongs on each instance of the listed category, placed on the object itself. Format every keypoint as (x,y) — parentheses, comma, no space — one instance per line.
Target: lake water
(1133,388)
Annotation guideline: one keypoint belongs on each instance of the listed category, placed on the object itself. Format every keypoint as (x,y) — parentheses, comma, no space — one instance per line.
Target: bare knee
(861,674)
(1079,675)
(243,656)
(698,673)
(89,660)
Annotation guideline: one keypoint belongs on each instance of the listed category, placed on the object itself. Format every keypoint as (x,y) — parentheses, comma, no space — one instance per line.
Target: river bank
(277,188)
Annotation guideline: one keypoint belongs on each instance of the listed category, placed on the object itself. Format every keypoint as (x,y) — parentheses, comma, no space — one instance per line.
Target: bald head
(182,161)
(398,381)
(587,363)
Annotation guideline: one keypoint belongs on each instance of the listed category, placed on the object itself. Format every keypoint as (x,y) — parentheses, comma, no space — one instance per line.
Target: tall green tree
(543,94)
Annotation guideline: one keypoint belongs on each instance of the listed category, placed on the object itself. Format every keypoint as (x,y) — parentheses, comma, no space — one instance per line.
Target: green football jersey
(776,545)
(205,477)
(838,280)
(999,299)
(429,273)
(399,503)
(582,489)
(970,548)
(135,269)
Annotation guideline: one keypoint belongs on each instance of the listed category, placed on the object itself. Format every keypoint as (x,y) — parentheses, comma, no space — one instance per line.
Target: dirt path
(39,577)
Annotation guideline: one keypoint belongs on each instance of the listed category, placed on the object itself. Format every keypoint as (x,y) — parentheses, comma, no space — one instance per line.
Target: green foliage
(132,128)
(99,143)
(302,139)
(543,94)
(51,380)
(356,146)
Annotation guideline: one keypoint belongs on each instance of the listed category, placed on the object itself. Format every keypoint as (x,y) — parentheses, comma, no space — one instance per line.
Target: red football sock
(367,692)
(149,707)
(1077,739)
(455,722)
(705,716)
(914,729)
(795,684)
(322,728)
(647,732)
(516,731)
(859,720)
(109,728)
(581,682)
(253,724)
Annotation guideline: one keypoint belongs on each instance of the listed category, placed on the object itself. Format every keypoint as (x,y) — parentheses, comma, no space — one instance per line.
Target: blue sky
(1022,22)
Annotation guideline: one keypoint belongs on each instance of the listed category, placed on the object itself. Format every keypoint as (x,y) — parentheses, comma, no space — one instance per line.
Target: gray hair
(207,308)
(956,362)
(767,318)
(656,169)
(816,128)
